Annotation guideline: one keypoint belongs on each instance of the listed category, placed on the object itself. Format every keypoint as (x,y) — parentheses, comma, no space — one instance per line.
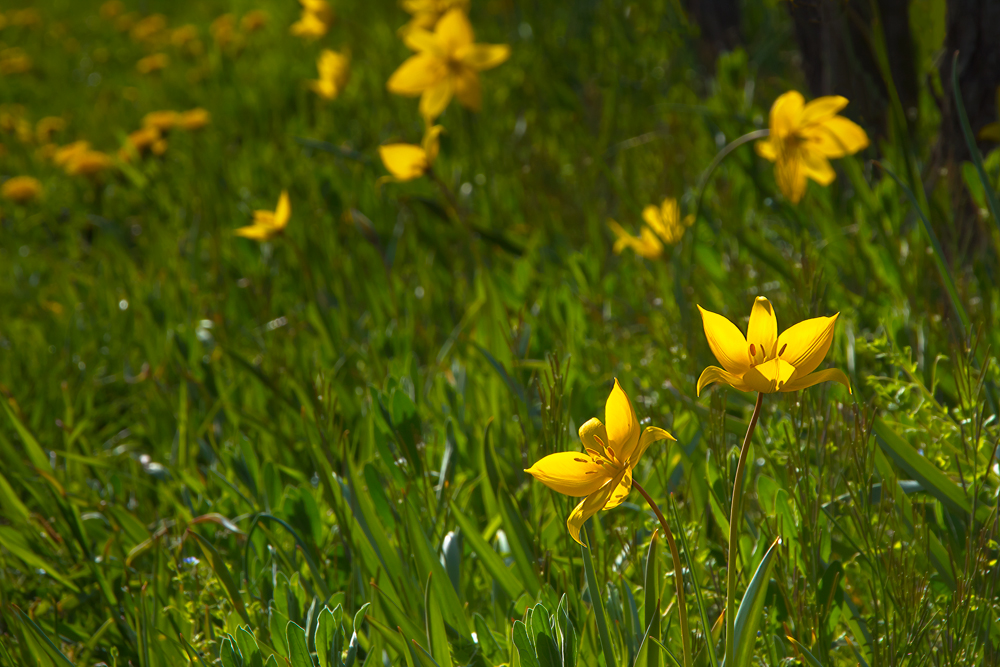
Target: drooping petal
(649,436)
(809,380)
(256,232)
(726,342)
(622,425)
(621,491)
(769,376)
(263,218)
(436,98)
(716,374)
(418,39)
(822,109)
(468,90)
(591,505)
(818,168)
(762,333)
(786,113)
(453,31)
(790,175)
(404,161)
(836,137)
(417,74)
(283,212)
(765,149)
(570,473)
(647,245)
(431,142)
(483,56)
(593,435)
(805,344)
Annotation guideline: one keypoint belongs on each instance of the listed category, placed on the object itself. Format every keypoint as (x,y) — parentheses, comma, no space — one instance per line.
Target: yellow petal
(593,435)
(621,491)
(417,74)
(809,380)
(591,505)
(431,142)
(805,344)
(622,425)
(790,175)
(483,56)
(726,342)
(649,436)
(822,109)
(436,98)
(762,333)
(835,137)
(818,168)
(255,232)
(569,473)
(769,376)
(785,114)
(419,39)
(765,149)
(716,374)
(453,31)
(404,161)
(262,218)
(653,216)
(283,212)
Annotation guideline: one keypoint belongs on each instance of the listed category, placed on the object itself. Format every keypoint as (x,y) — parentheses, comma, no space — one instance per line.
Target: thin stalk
(734,521)
(730,147)
(678,573)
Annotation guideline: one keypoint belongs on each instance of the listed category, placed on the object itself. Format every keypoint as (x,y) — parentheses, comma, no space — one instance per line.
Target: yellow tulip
(802,139)
(194,119)
(406,162)
(666,221)
(426,13)
(647,245)
(161,120)
(334,70)
(447,63)
(763,361)
(88,163)
(21,189)
(268,224)
(602,475)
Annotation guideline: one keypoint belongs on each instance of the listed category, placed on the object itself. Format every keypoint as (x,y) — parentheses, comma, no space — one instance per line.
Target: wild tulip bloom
(763,361)
(334,71)
(268,224)
(646,245)
(802,139)
(426,13)
(161,120)
(602,476)
(666,220)
(315,20)
(447,64)
(89,163)
(194,119)
(406,162)
(21,189)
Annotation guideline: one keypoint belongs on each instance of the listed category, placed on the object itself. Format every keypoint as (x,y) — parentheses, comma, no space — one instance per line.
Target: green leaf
(10,505)
(328,631)
(970,141)
(352,647)
(524,648)
(809,657)
(751,609)
(34,451)
(218,565)
(277,622)
(595,600)
(248,647)
(651,606)
(14,541)
(520,544)
(434,621)
(490,559)
(298,649)
(229,655)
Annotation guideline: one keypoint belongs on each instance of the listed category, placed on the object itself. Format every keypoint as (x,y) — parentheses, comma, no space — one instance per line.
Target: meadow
(307,310)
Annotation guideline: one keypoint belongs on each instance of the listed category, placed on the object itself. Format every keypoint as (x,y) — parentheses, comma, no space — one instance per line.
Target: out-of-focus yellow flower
(46,127)
(426,13)
(666,220)
(334,70)
(406,161)
(268,224)
(991,131)
(24,130)
(194,119)
(309,26)
(88,163)
(152,63)
(447,63)
(126,21)
(142,139)
(646,245)
(802,139)
(764,361)
(159,147)
(148,27)
(10,114)
(64,154)
(320,8)
(602,473)
(43,152)
(254,20)
(111,9)
(3,21)
(21,189)
(27,18)
(161,120)
(15,60)
(223,29)
(182,36)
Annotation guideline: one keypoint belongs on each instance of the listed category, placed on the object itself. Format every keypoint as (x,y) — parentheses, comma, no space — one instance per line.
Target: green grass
(205,439)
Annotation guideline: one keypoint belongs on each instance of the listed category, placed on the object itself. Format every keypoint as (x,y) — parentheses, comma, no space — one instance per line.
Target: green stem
(734,520)
(678,573)
(730,147)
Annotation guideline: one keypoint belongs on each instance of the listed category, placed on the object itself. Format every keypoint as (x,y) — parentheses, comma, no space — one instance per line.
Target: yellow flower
(194,119)
(88,163)
(647,245)
(29,17)
(268,224)
(768,362)
(46,127)
(126,21)
(21,189)
(161,120)
(64,154)
(140,140)
(334,70)
(222,29)
(149,27)
(447,63)
(309,26)
(406,162)
(666,221)
(603,475)
(253,20)
(14,61)
(320,8)
(802,139)
(426,13)
(153,63)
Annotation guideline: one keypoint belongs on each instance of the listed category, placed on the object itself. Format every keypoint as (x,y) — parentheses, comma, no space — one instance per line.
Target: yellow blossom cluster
(663,225)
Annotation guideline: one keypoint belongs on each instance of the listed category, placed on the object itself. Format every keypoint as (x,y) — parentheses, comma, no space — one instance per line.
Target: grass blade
(751,608)
(598,604)
(970,141)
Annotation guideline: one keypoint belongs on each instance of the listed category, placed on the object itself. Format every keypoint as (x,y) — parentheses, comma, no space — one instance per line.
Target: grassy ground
(206,438)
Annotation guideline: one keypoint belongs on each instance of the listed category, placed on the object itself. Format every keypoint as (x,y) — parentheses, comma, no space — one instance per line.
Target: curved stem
(736,511)
(678,573)
(730,147)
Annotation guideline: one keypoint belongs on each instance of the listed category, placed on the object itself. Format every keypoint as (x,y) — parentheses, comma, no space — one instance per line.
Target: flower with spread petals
(46,127)
(268,224)
(763,361)
(426,13)
(21,189)
(88,163)
(447,63)
(406,162)
(315,20)
(602,474)
(161,120)
(153,63)
(803,137)
(666,220)
(334,70)
(645,245)
(194,119)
